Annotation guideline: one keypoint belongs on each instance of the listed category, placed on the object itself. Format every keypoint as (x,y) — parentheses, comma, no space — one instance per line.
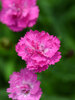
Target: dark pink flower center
(25,89)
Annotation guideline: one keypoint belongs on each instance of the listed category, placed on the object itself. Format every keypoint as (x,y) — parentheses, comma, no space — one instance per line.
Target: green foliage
(3,95)
(58,82)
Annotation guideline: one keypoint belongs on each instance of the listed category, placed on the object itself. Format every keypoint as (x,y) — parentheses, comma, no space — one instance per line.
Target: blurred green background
(58,82)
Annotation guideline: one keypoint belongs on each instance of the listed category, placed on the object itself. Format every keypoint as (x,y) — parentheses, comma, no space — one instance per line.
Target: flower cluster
(39,50)
(24,86)
(19,14)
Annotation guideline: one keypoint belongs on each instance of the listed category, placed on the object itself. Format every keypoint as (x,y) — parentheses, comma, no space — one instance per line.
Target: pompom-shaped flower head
(24,86)
(19,14)
(39,50)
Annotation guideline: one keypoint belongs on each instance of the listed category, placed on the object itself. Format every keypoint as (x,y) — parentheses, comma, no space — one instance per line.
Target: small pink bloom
(19,14)
(24,86)
(39,50)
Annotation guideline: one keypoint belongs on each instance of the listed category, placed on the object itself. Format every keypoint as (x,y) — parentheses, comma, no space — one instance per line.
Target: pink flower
(39,50)
(24,86)
(19,14)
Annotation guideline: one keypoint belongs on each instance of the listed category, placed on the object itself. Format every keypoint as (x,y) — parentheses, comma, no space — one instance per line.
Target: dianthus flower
(19,14)
(24,86)
(39,50)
